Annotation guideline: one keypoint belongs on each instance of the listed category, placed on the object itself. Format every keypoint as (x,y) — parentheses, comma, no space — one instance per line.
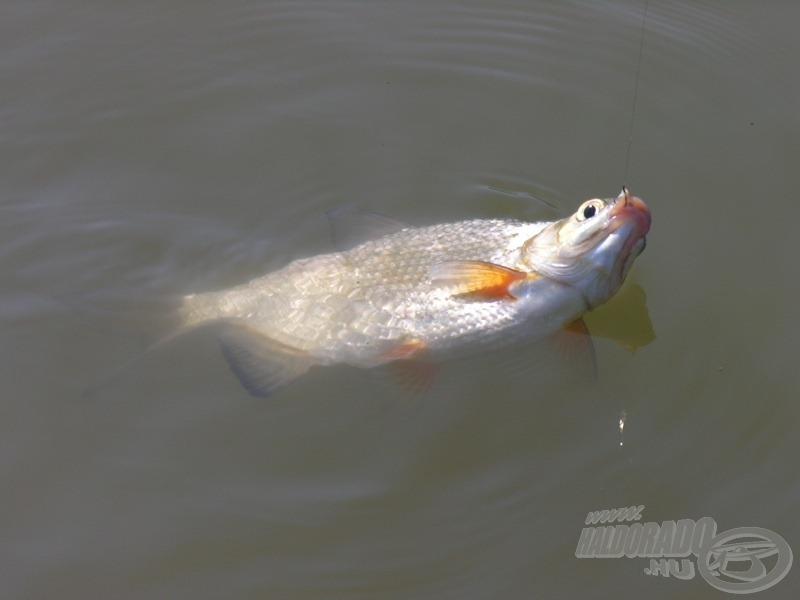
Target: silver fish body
(422,293)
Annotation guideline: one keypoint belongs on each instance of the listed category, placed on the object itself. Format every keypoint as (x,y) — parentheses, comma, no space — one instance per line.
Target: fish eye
(589,209)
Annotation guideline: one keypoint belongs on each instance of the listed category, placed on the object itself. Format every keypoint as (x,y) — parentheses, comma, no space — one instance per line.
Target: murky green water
(156,149)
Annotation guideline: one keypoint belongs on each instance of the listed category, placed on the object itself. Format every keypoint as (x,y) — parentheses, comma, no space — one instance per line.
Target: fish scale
(376,292)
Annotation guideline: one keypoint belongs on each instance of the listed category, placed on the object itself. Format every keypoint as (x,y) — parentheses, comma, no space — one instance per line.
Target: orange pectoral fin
(476,278)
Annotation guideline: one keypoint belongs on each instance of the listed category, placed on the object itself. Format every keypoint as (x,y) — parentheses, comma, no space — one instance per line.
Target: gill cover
(594,248)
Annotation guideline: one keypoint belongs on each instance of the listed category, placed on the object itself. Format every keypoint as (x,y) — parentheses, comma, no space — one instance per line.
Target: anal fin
(263,365)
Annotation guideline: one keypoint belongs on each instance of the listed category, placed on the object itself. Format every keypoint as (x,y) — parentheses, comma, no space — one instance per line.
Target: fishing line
(635,92)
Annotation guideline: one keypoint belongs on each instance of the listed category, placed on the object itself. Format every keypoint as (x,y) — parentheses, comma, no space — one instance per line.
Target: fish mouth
(641,245)
(632,212)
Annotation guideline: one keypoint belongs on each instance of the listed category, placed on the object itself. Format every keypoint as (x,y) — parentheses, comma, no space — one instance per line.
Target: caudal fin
(126,312)
(262,365)
(126,366)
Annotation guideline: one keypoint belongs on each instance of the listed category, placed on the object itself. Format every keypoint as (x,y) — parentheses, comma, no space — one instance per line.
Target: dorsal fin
(351,226)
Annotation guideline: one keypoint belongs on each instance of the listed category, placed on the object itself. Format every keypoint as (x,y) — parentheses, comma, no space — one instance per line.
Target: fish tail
(127,312)
(261,364)
(121,369)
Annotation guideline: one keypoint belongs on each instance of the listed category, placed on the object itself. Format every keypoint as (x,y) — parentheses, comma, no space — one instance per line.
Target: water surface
(152,150)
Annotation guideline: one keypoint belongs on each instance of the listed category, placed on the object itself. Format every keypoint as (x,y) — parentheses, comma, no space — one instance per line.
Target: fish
(396,294)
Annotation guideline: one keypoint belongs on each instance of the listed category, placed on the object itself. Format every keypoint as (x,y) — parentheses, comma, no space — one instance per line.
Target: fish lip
(633,212)
(629,208)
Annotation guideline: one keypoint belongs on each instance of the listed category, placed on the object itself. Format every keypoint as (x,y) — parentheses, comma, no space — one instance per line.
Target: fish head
(593,249)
